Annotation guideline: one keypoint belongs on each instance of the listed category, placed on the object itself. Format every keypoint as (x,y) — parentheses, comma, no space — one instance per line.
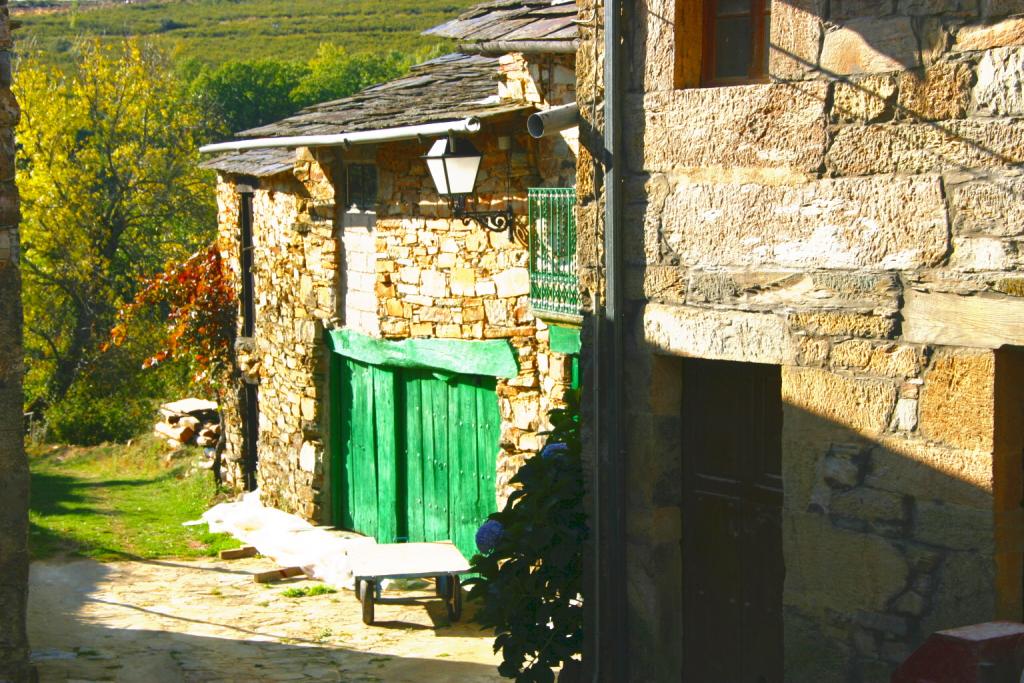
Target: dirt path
(189,621)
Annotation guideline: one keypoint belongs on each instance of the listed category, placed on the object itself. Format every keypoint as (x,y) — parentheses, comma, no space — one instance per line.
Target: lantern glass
(453,170)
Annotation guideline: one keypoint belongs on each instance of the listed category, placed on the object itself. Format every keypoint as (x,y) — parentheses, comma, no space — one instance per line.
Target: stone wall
(413,272)
(852,221)
(295,273)
(13,463)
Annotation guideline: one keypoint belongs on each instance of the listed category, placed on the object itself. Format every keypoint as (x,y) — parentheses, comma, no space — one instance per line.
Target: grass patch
(117,501)
(308,591)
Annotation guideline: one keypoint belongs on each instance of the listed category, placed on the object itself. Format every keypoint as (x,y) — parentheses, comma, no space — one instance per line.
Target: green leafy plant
(530,573)
(308,591)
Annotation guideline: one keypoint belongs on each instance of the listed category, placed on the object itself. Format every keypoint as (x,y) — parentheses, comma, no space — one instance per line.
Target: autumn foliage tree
(199,300)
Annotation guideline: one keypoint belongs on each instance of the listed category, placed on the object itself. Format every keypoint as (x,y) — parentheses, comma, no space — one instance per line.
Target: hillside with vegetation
(217,31)
(117,99)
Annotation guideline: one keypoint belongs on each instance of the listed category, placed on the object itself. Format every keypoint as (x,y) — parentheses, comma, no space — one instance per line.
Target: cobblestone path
(170,621)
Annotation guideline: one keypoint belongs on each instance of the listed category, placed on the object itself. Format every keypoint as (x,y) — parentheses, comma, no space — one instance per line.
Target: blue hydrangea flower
(488,535)
(554,449)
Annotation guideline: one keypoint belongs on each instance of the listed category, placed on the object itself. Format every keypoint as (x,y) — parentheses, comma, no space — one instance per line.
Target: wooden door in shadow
(732,531)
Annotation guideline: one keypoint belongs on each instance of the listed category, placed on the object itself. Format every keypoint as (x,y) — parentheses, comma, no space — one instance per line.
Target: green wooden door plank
(414,454)
(338,487)
(387,503)
(489,436)
(360,451)
(493,358)
(438,522)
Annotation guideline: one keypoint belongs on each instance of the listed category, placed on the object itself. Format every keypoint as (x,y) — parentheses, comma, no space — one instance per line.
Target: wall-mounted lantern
(454,164)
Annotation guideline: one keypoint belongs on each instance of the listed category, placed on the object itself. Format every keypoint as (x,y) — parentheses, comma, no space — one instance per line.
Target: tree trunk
(70,363)
(13,464)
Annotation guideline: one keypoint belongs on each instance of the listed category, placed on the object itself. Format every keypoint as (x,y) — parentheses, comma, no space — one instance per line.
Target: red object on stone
(983,653)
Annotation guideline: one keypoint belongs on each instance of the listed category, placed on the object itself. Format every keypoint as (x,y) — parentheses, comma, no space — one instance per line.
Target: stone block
(958,400)
(869,45)
(886,360)
(963,594)
(835,570)
(913,467)
(843,10)
(463,282)
(925,148)
(512,282)
(721,335)
(843,324)
(434,283)
(796,30)
(883,223)
(1006,33)
(1000,87)
(949,8)
(864,100)
(905,417)
(990,206)
(861,405)
(943,93)
(868,504)
(772,126)
(946,525)
(974,254)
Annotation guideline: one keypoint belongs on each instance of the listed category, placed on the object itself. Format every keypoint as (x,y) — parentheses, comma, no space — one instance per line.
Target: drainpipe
(611,637)
(553,121)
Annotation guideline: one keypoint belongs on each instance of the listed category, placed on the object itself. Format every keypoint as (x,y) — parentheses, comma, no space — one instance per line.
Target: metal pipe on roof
(467,125)
(524,46)
(553,121)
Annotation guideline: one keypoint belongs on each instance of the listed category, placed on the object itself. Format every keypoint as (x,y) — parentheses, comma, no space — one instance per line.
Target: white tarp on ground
(289,540)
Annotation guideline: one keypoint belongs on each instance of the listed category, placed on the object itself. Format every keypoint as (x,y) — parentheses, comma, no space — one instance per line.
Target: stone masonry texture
(411,272)
(784,223)
(13,464)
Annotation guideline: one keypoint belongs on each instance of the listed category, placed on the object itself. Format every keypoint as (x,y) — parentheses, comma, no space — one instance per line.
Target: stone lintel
(719,335)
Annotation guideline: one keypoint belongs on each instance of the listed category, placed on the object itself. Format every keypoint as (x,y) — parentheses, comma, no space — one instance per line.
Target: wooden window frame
(694,59)
(357,213)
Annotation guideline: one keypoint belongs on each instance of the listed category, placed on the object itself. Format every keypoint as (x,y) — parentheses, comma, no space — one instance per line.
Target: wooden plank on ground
(238,553)
(980,321)
(277,574)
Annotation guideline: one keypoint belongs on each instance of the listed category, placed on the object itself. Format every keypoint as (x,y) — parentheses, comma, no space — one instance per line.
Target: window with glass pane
(733,44)
(735,41)
(362,187)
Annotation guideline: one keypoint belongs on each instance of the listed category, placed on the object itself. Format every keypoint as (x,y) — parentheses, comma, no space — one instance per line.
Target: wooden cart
(440,561)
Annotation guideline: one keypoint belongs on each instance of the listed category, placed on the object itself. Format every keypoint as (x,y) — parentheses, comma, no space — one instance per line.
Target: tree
(111,190)
(334,73)
(199,297)
(243,95)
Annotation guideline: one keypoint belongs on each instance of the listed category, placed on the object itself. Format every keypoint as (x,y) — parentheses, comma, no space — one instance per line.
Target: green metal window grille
(554,285)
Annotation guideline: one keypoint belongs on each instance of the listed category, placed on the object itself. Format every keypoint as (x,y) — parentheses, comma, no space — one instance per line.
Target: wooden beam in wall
(985,321)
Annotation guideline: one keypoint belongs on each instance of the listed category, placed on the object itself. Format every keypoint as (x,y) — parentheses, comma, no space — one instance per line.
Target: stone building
(821,316)
(394,372)
(14,666)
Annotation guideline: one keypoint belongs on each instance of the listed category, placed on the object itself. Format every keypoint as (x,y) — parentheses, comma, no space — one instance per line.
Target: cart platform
(440,560)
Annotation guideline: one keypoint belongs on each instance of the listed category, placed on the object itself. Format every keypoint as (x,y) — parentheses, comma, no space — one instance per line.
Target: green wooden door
(416,453)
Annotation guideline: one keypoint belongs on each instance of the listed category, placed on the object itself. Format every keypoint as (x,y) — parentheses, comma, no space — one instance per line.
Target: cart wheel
(366,589)
(454,600)
(442,584)
(359,590)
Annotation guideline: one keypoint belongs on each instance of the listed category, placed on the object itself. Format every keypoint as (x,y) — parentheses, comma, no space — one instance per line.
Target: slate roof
(448,88)
(513,21)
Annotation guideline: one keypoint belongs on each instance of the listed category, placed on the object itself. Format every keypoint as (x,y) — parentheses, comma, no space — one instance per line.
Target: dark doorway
(732,523)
